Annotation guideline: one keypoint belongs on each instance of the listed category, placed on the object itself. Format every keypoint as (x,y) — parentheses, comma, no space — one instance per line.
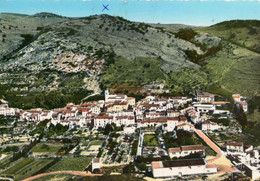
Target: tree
(96,171)
(240,116)
(129,169)
(108,128)
(141,166)
(186,33)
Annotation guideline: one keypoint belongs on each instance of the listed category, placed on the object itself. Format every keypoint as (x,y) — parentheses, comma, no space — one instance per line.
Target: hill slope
(68,55)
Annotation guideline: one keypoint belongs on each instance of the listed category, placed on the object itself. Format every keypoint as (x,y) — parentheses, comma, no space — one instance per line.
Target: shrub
(129,169)
(186,33)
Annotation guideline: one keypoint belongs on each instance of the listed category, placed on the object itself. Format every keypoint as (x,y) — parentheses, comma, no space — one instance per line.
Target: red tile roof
(234,143)
(156,164)
(174,150)
(192,147)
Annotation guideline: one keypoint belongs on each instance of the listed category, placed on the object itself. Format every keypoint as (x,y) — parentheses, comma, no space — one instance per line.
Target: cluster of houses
(168,113)
(6,111)
(240,101)
(244,157)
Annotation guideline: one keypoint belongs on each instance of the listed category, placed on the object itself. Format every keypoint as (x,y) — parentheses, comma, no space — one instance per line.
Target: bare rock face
(70,62)
(92,83)
(207,39)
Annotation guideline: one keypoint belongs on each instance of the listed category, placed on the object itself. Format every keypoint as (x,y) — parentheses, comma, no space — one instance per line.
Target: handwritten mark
(105,7)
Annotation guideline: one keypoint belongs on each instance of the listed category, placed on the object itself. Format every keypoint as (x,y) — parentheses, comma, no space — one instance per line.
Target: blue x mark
(105,7)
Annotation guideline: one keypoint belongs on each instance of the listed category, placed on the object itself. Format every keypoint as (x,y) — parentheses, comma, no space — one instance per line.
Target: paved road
(221,168)
(210,143)
(61,172)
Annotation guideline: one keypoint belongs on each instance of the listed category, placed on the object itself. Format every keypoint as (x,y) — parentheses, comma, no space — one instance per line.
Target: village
(174,137)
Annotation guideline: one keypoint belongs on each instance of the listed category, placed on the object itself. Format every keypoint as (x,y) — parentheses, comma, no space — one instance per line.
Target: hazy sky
(194,12)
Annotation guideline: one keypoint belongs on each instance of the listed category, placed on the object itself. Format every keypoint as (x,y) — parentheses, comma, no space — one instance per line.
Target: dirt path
(61,172)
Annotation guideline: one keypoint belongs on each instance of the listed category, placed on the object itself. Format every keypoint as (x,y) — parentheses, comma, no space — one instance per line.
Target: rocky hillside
(52,47)
(46,52)
(15,27)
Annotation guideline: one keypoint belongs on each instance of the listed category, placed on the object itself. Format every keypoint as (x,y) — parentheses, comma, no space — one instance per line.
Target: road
(62,172)
(210,143)
(219,158)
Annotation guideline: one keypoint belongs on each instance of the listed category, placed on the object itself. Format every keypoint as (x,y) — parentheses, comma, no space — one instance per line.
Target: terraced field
(27,167)
(42,148)
(71,164)
(236,68)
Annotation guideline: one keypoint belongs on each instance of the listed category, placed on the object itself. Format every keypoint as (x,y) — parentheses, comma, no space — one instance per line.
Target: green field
(73,164)
(26,167)
(5,161)
(150,140)
(42,148)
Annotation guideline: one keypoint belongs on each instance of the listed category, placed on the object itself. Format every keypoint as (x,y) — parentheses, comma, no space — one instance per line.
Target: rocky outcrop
(207,39)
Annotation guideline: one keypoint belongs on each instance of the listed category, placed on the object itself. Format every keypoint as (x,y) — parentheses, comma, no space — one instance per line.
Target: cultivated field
(42,148)
(27,167)
(71,164)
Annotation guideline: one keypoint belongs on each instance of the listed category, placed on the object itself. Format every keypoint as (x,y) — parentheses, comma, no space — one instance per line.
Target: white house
(102,120)
(172,122)
(155,114)
(46,115)
(6,111)
(244,105)
(129,129)
(205,97)
(185,127)
(204,107)
(234,147)
(172,113)
(236,97)
(209,126)
(193,115)
(251,171)
(152,122)
(178,168)
(186,150)
(123,120)
(96,164)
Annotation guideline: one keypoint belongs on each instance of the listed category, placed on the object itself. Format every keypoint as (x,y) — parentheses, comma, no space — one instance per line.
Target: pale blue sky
(192,12)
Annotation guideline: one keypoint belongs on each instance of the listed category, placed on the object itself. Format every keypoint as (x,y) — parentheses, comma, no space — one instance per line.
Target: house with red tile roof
(186,150)
(233,147)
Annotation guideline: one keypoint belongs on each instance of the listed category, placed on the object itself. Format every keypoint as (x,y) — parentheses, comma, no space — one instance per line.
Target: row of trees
(240,116)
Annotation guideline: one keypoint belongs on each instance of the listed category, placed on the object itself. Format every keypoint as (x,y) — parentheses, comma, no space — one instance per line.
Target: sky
(193,12)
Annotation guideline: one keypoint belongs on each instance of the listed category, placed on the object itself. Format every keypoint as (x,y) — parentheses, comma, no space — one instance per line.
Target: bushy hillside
(244,33)
(47,53)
